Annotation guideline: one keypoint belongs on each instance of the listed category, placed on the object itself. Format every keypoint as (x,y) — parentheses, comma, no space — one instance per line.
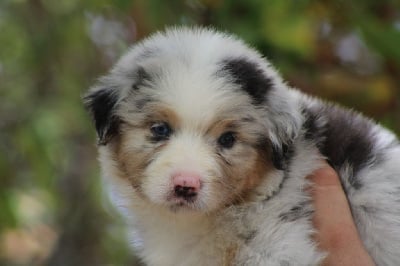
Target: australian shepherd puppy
(205,150)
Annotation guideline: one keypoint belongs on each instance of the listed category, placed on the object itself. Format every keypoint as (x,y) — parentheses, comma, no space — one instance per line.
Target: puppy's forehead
(185,70)
(198,96)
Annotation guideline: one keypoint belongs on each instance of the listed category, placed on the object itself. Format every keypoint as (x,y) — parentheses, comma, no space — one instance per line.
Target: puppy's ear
(250,76)
(101,103)
(284,124)
(272,97)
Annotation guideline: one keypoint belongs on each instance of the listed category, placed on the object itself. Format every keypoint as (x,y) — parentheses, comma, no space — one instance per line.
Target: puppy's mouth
(183,206)
(184,198)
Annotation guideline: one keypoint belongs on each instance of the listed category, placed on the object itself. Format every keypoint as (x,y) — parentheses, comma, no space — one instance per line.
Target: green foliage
(382,38)
(52,209)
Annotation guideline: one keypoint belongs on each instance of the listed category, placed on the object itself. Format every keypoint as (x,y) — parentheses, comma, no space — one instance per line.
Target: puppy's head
(193,119)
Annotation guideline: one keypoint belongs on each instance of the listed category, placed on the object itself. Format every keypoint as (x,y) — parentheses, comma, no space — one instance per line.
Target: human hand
(336,231)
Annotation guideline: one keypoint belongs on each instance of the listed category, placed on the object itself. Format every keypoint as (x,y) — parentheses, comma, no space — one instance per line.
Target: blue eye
(227,140)
(160,131)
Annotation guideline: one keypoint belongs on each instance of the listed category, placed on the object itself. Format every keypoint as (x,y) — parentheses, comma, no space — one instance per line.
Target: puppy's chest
(206,243)
(236,237)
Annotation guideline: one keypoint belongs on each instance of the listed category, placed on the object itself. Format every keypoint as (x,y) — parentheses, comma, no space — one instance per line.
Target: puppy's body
(205,150)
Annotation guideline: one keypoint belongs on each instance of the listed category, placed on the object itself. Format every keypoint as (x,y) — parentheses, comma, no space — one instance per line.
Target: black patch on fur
(249,76)
(344,137)
(141,77)
(312,130)
(281,156)
(299,211)
(101,104)
(348,140)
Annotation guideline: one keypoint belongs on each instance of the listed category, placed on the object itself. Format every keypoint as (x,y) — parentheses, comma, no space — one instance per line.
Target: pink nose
(186,185)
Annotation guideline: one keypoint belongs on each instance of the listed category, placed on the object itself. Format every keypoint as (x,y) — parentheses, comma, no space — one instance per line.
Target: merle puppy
(204,149)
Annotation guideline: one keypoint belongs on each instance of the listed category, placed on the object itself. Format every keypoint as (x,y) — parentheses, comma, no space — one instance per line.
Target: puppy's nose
(186,185)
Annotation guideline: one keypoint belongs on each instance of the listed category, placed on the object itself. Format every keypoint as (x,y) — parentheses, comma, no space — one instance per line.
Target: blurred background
(52,211)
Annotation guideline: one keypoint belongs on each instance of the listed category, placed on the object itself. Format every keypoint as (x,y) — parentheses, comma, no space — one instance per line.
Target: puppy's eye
(161,131)
(227,140)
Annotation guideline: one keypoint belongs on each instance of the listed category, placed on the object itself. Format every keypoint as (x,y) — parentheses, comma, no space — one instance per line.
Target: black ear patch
(249,76)
(101,104)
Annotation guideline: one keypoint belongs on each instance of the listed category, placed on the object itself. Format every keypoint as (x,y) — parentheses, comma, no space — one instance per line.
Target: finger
(325,176)
(330,202)
(336,231)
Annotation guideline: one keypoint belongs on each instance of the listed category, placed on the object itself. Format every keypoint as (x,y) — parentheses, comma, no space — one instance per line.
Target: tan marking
(230,255)
(161,113)
(130,162)
(222,126)
(256,175)
(243,176)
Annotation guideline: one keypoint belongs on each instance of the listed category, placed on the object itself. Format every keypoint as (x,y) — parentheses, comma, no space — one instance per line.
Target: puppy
(204,149)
